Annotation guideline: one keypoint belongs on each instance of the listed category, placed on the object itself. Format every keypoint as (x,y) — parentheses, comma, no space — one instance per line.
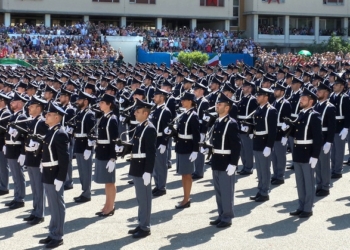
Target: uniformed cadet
(5,115)
(54,164)
(279,151)
(105,153)
(215,91)
(246,106)
(187,145)
(85,121)
(238,86)
(306,150)
(160,117)
(141,166)
(229,92)
(149,89)
(226,152)
(265,130)
(341,102)
(36,129)
(15,152)
(328,121)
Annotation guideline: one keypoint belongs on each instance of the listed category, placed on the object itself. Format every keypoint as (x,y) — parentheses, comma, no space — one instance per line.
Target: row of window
(215,3)
(330,2)
(131,1)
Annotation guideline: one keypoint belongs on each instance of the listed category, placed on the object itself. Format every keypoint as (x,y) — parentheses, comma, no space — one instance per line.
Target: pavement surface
(256,225)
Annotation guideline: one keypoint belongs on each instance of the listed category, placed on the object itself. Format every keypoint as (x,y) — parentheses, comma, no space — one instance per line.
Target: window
(235,8)
(333,2)
(143,1)
(106,1)
(214,3)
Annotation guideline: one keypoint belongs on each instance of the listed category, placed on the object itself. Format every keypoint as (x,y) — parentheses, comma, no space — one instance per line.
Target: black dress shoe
(296,212)
(3,192)
(245,172)
(111,213)
(46,240)
(17,204)
(67,188)
(346,162)
(7,204)
(29,218)
(262,198)
(131,182)
(215,222)
(322,192)
(254,197)
(223,224)
(277,182)
(186,205)
(305,214)
(141,234)
(54,243)
(290,167)
(132,231)
(154,190)
(169,166)
(336,176)
(82,199)
(196,177)
(159,193)
(36,221)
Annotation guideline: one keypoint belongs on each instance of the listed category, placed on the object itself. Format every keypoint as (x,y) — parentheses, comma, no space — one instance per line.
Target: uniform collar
(220,119)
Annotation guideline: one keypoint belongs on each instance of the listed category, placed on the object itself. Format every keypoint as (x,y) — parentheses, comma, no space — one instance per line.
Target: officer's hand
(284,127)
(162,148)
(91,143)
(21,159)
(41,167)
(231,169)
(87,154)
(146,178)
(313,162)
(202,137)
(343,133)
(58,185)
(206,118)
(4,149)
(167,131)
(69,130)
(121,118)
(244,128)
(193,156)
(267,151)
(251,136)
(284,141)
(110,166)
(13,132)
(204,150)
(118,149)
(326,147)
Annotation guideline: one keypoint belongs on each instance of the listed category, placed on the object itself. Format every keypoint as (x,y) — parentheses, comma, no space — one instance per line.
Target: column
(123,21)
(7,19)
(317,28)
(159,23)
(227,25)
(86,18)
(47,20)
(345,27)
(255,27)
(193,24)
(286,29)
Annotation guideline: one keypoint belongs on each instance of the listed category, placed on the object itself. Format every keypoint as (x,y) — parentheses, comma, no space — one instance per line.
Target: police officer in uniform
(55,159)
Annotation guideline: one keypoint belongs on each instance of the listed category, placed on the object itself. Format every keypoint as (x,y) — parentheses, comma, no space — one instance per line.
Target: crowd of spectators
(310,31)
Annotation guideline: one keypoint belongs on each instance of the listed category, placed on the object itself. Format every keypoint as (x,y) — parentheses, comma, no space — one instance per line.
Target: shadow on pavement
(340,222)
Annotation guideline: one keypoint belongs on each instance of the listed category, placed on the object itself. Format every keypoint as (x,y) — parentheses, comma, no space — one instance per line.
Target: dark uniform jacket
(327,113)
(202,105)
(284,110)
(342,105)
(160,118)
(212,97)
(171,105)
(149,93)
(5,114)
(245,107)
(85,121)
(15,148)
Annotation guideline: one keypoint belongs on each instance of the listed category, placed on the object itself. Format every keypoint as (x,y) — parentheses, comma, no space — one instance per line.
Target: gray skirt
(101,173)
(184,165)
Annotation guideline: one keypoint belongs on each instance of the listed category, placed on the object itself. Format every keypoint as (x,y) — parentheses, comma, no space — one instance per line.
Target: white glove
(121,118)
(91,143)
(244,128)
(162,148)
(118,149)
(193,156)
(121,100)
(167,131)
(313,162)
(231,169)
(284,127)
(343,133)
(34,144)
(13,132)
(21,159)
(4,149)
(202,137)
(206,118)
(326,147)
(87,154)
(251,136)
(284,141)
(110,166)
(58,184)
(146,178)
(69,130)
(267,151)
(41,167)
(204,151)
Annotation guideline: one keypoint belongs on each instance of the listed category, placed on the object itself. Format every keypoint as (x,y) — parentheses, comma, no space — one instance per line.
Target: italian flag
(214,59)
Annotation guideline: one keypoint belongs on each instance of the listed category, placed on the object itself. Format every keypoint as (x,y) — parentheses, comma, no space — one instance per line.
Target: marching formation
(49,116)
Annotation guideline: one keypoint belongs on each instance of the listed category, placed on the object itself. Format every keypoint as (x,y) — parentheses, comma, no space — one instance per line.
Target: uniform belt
(50,164)
(30,149)
(279,124)
(294,115)
(80,135)
(339,117)
(222,151)
(134,122)
(242,117)
(142,155)
(200,121)
(303,141)
(159,134)
(261,132)
(103,142)
(324,129)
(13,142)
(185,136)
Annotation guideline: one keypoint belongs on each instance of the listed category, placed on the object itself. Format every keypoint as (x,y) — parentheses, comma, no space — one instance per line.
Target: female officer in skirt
(105,153)
(187,146)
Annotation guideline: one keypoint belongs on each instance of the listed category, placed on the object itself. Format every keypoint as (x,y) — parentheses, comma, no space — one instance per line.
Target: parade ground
(265,225)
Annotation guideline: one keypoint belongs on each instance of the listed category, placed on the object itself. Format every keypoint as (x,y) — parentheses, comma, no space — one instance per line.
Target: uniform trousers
(69,178)
(224,187)
(4,173)
(160,170)
(18,180)
(58,211)
(37,191)
(262,165)
(85,173)
(291,145)
(169,148)
(337,154)
(199,164)
(279,160)
(144,200)
(305,179)
(247,152)
(323,171)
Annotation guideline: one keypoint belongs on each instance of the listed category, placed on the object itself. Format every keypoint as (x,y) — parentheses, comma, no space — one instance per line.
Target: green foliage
(334,44)
(188,58)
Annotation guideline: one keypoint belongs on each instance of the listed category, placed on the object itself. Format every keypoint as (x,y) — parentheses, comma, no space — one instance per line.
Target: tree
(334,44)
(188,58)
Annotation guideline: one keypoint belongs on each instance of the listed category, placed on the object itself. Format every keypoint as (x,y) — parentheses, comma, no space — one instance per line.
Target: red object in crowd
(212,2)
(3,53)
(269,1)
